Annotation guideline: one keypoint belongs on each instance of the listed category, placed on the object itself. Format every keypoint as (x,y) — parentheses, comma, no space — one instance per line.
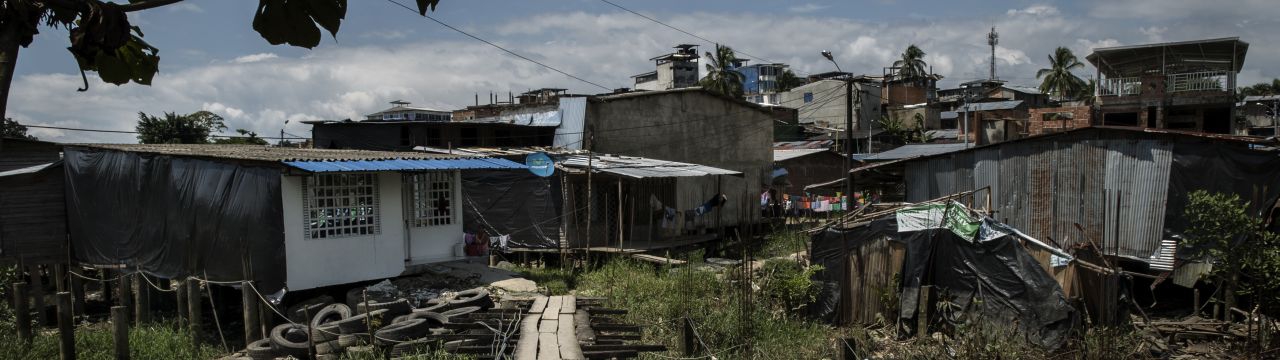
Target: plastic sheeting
(1012,287)
(1218,167)
(175,217)
(515,203)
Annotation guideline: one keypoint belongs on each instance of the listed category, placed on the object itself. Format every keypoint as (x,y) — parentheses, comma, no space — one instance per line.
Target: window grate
(431,197)
(340,205)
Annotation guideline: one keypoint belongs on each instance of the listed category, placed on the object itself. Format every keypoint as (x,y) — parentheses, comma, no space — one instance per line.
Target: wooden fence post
(250,301)
(120,331)
(66,329)
(180,291)
(37,295)
(193,310)
(142,299)
(77,288)
(922,313)
(21,312)
(689,342)
(125,290)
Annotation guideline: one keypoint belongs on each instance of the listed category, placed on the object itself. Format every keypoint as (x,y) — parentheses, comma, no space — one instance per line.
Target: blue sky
(211,59)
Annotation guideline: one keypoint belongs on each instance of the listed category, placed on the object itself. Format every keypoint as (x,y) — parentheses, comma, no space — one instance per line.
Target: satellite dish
(540,164)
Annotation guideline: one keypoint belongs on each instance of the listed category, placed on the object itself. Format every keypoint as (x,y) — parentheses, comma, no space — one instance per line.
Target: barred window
(431,198)
(341,205)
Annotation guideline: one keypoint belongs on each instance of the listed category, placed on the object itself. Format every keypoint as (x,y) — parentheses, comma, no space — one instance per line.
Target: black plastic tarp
(1011,284)
(1220,167)
(516,203)
(176,216)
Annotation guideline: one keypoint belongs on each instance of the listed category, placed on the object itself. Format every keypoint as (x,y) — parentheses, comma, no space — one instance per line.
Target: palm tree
(721,78)
(912,66)
(1058,80)
(1086,91)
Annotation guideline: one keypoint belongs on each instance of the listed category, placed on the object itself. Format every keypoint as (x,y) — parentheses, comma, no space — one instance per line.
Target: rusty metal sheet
(1137,184)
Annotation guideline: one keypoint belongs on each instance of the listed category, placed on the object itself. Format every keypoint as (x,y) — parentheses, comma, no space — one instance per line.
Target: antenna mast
(993,38)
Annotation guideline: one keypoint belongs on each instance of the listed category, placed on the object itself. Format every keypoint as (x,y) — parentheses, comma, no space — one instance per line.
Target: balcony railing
(1199,81)
(1119,86)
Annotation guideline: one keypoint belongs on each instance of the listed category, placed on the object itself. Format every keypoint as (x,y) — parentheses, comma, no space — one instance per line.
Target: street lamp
(1275,110)
(848,130)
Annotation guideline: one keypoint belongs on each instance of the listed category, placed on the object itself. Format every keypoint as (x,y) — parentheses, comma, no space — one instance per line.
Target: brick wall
(1037,125)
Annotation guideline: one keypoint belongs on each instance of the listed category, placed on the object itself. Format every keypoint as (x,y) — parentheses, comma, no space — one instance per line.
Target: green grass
(783,243)
(657,300)
(94,341)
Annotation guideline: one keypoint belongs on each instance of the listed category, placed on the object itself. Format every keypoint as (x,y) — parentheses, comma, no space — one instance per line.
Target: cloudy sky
(211,59)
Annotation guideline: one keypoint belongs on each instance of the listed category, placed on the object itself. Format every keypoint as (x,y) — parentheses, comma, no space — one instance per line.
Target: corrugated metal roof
(1261,98)
(573,118)
(1024,89)
(30,169)
(640,168)
(788,154)
(914,150)
(994,105)
(267,153)
(404,165)
(944,134)
(812,144)
(948,115)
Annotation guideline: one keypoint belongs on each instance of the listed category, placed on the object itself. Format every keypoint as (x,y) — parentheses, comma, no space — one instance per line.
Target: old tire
(459,312)
(290,339)
(437,307)
(328,347)
(434,319)
(346,341)
(478,297)
(403,331)
(414,347)
(356,297)
(330,313)
(325,333)
(394,308)
(298,312)
(260,350)
(357,324)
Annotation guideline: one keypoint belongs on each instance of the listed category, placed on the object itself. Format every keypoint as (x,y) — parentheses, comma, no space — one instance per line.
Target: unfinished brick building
(1182,85)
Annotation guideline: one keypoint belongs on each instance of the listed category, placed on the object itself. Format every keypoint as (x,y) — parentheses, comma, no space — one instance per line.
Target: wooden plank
(539,305)
(548,349)
(553,308)
(548,326)
(568,304)
(657,259)
(568,339)
(527,347)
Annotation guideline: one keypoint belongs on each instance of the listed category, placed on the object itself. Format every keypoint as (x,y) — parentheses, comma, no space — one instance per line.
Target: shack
(596,202)
(938,264)
(285,218)
(1119,187)
(33,217)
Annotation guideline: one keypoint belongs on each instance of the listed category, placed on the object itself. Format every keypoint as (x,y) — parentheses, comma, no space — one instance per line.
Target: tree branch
(130,7)
(127,7)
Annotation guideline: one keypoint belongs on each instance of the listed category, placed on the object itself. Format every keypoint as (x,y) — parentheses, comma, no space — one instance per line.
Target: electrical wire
(512,53)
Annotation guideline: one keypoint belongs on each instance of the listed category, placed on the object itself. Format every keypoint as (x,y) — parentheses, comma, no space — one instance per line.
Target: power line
(681,30)
(513,53)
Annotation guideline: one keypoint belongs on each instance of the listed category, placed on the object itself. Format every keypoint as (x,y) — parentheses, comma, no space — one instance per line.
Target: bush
(787,285)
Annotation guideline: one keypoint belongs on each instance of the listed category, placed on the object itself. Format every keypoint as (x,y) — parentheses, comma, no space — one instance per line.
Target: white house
(285,218)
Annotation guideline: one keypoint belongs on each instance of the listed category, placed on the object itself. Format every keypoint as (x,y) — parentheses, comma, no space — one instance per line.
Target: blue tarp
(402,165)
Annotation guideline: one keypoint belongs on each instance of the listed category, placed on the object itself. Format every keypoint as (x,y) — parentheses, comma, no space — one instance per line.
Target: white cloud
(186,6)
(1154,33)
(387,34)
(259,92)
(806,8)
(254,58)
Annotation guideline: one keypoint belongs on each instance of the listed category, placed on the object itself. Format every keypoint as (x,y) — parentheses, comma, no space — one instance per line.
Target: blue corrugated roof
(404,165)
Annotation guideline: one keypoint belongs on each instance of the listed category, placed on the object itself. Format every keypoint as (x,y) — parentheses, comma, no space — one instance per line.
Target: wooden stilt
(37,294)
(77,288)
(193,310)
(142,299)
(21,312)
(124,288)
(66,329)
(922,314)
(180,292)
(120,331)
(250,301)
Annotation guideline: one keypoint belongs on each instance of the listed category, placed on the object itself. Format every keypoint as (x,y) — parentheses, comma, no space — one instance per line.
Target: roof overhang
(1174,57)
(404,165)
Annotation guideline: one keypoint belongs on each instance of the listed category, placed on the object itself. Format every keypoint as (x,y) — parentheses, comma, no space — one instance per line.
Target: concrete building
(528,124)
(760,82)
(993,122)
(1189,85)
(820,105)
(401,111)
(675,70)
(990,90)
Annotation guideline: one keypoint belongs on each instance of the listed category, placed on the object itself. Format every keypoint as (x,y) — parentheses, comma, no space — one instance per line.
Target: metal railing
(1199,81)
(1119,86)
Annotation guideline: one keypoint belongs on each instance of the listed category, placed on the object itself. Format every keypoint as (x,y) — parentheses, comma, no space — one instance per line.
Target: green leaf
(271,21)
(329,14)
(112,69)
(424,5)
(305,34)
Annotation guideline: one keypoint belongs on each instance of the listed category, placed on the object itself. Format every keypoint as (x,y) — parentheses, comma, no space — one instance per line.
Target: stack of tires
(385,328)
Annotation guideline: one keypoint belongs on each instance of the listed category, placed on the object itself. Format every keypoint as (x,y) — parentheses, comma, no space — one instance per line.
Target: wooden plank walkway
(546,335)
